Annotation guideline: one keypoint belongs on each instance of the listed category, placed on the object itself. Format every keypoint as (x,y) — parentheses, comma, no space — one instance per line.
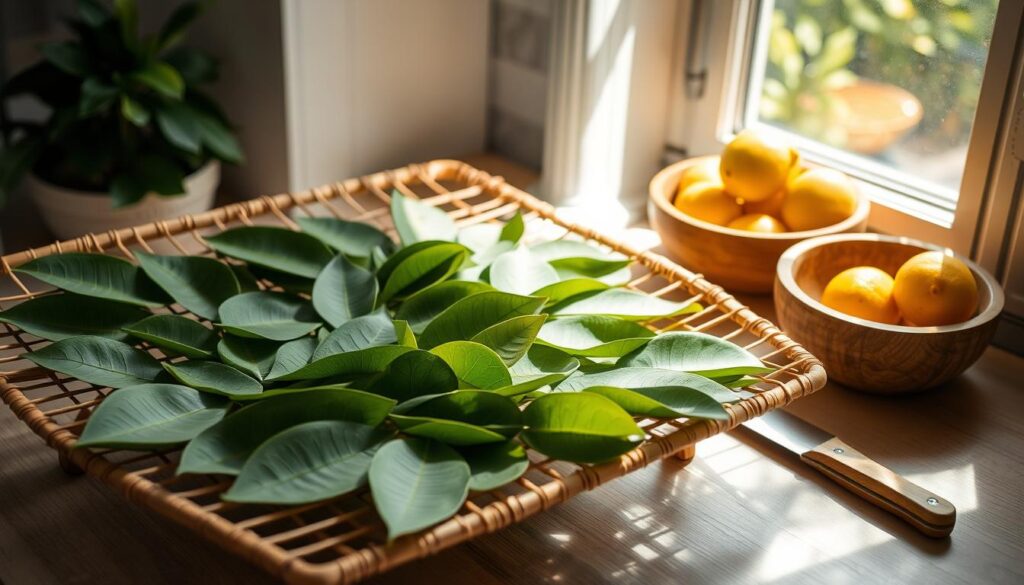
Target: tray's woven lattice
(342,541)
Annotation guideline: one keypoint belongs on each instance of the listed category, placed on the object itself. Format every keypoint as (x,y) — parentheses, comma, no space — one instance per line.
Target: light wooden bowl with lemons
(866,355)
(738,260)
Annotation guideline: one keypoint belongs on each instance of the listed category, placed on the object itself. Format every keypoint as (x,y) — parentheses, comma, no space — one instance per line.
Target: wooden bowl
(738,260)
(869,356)
(874,115)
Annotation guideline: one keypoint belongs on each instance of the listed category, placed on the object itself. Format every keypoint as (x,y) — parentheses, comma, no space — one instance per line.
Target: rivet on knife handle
(927,512)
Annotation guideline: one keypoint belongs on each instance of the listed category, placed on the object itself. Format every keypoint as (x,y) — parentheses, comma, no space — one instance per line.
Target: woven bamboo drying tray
(342,540)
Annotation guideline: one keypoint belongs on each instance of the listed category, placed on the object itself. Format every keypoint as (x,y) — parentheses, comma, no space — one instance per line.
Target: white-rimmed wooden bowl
(738,260)
(870,356)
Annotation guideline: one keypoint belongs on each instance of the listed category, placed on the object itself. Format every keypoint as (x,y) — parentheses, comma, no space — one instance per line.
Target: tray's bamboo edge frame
(498,515)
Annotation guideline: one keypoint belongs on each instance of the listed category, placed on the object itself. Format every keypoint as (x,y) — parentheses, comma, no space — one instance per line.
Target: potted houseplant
(128,137)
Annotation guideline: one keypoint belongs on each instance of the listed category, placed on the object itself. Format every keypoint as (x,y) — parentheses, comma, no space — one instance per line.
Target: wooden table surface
(741,512)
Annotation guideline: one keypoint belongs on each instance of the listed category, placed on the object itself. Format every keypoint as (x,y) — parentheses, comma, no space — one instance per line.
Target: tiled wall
(520,33)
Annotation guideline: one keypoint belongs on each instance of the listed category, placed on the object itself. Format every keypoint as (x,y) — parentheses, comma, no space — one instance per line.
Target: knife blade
(928,512)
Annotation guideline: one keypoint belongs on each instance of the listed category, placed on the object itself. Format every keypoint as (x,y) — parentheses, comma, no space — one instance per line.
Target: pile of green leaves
(424,370)
(125,115)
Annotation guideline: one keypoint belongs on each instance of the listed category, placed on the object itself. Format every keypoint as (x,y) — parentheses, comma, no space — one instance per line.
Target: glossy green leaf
(511,339)
(60,316)
(481,236)
(373,360)
(449,432)
(292,356)
(247,281)
(151,416)
(224,447)
(343,291)
(699,353)
(417,483)
(421,308)
(564,289)
(520,271)
(178,334)
(179,125)
(162,78)
(358,400)
(625,304)
(288,282)
(494,465)
(426,266)
(486,410)
(513,229)
(633,378)
(663,402)
(214,377)
(405,335)
(580,258)
(96,275)
(416,221)
(594,335)
(310,462)
(620,277)
(254,357)
(479,265)
(276,248)
(217,137)
(267,315)
(413,374)
(371,330)
(475,365)
(541,366)
(582,428)
(98,360)
(471,315)
(352,238)
(196,283)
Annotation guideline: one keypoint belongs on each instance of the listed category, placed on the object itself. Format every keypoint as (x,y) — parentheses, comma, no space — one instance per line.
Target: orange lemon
(709,202)
(865,292)
(933,288)
(758,222)
(770,206)
(818,198)
(705,171)
(754,166)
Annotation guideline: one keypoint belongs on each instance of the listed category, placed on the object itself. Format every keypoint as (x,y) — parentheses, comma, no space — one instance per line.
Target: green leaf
(128,16)
(126,189)
(224,447)
(179,125)
(625,304)
(417,483)
(217,137)
(594,335)
(214,377)
(134,112)
(415,373)
(416,221)
(559,291)
(268,315)
(151,416)
(174,27)
(479,265)
(298,285)
(640,378)
(475,365)
(521,272)
(96,96)
(160,174)
(581,428)
(373,360)
(96,275)
(513,230)
(541,366)
(195,66)
(254,357)
(246,279)
(449,432)
(699,353)
(839,49)
(310,462)
(292,356)
(405,335)
(69,57)
(421,308)
(370,330)
(177,334)
(494,465)
(511,339)
(663,402)
(471,315)
(196,283)
(60,316)
(162,78)
(419,266)
(276,248)
(98,360)
(487,411)
(482,236)
(580,258)
(343,291)
(352,238)
(92,12)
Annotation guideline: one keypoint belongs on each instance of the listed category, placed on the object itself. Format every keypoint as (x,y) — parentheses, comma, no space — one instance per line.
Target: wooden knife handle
(926,511)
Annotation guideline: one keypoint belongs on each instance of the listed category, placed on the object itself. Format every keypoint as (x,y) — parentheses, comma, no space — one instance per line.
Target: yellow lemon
(754,167)
(933,288)
(770,206)
(865,292)
(758,222)
(818,198)
(705,171)
(709,202)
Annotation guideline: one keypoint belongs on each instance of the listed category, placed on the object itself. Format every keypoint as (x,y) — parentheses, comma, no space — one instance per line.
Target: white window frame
(978,223)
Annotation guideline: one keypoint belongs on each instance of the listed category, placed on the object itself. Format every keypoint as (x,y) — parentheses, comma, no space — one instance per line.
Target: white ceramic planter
(69,213)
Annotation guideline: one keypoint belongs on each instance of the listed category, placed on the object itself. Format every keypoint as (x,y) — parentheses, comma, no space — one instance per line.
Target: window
(905,96)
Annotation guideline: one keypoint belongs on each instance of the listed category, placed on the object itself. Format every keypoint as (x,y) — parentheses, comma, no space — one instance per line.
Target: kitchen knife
(926,511)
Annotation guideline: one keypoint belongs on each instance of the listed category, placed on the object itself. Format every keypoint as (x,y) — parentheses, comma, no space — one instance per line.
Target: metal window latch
(695,73)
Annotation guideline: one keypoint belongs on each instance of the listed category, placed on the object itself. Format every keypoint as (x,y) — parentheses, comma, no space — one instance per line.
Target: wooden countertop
(742,511)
